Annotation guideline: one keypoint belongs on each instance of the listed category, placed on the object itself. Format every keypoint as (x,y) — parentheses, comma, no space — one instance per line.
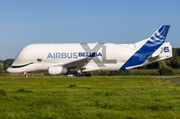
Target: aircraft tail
(149,50)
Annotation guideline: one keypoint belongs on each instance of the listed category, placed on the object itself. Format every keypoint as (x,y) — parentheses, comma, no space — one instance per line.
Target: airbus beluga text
(75,58)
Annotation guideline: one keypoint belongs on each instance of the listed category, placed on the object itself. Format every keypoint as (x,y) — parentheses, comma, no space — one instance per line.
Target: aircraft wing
(79,63)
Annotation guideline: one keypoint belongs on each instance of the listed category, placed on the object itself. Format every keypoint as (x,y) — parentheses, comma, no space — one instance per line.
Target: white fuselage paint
(84,57)
(49,53)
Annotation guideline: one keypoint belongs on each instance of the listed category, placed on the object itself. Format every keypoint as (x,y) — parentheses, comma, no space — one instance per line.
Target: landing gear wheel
(83,75)
(78,75)
(88,75)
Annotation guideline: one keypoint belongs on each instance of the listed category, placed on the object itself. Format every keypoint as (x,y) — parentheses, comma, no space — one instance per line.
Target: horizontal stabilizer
(164,52)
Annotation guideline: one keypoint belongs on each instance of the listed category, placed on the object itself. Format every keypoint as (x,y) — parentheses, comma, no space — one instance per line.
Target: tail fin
(146,48)
(158,38)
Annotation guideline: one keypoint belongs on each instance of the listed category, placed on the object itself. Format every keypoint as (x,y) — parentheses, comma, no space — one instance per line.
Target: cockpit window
(39,59)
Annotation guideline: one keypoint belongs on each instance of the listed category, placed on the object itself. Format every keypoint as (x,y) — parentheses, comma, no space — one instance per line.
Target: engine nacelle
(57,70)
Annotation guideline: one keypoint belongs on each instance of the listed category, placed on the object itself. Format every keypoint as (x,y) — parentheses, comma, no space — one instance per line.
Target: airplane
(79,58)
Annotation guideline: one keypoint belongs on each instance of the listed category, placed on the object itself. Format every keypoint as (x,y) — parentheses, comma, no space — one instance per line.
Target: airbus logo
(72,55)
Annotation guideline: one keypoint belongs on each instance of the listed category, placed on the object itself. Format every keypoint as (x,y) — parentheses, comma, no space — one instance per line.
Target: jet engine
(57,70)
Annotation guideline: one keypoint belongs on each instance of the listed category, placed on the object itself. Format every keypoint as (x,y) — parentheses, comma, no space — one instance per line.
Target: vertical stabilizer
(147,47)
(158,38)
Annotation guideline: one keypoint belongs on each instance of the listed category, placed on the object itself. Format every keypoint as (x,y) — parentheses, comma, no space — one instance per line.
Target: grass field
(126,97)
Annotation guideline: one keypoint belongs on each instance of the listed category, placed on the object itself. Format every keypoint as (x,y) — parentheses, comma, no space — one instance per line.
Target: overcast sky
(24,22)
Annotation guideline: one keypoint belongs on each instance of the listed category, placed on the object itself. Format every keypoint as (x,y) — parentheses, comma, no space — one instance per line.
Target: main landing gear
(83,75)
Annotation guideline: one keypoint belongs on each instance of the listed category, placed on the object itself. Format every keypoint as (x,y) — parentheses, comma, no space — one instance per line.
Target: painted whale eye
(39,59)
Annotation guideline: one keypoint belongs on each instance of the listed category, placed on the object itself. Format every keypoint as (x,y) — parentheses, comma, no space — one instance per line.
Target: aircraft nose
(14,70)
(9,70)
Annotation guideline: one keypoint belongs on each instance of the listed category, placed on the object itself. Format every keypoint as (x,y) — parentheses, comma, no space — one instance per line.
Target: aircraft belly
(111,67)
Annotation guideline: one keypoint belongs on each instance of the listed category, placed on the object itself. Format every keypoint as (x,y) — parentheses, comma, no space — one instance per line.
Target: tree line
(5,64)
(173,63)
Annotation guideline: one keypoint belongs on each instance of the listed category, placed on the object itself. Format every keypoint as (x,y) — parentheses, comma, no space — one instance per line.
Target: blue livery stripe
(154,42)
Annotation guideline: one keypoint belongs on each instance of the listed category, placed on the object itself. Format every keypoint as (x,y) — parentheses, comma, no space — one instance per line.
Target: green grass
(126,97)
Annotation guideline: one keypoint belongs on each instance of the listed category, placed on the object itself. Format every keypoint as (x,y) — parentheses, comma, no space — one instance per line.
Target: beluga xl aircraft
(78,58)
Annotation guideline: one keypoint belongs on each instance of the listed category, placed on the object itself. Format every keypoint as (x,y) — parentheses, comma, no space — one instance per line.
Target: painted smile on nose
(20,66)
